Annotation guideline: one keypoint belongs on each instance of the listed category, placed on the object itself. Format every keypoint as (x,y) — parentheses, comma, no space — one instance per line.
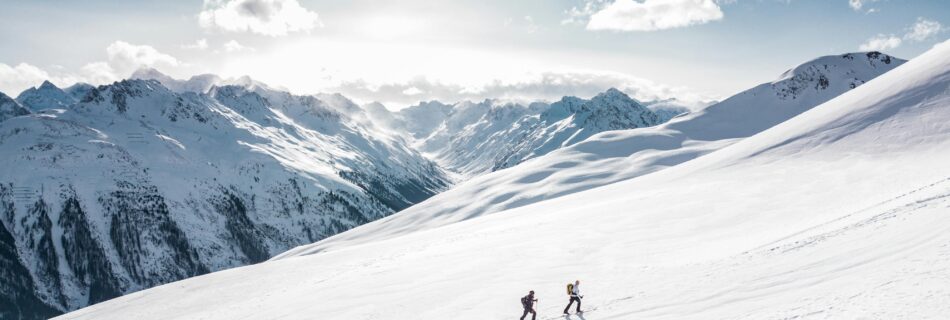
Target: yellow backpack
(570,288)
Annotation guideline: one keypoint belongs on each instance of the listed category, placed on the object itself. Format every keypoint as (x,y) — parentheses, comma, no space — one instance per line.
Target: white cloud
(650,15)
(857,5)
(14,79)
(581,15)
(201,44)
(266,17)
(411,91)
(881,42)
(124,58)
(234,46)
(98,72)
(923,30)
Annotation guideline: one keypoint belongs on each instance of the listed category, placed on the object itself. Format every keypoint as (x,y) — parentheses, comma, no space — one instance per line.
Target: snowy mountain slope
(137,185)
(614,156)
(475,136)
(46,96)
(837,213)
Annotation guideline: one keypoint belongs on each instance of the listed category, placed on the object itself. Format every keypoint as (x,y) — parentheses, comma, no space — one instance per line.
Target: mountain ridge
(136,185)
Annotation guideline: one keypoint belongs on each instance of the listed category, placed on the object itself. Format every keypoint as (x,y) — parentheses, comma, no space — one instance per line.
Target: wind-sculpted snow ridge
(617,155)
(475,138)
(136,186)
(839,212)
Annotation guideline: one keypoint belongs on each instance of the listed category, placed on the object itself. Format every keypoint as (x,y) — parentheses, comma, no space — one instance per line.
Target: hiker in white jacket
(575,292)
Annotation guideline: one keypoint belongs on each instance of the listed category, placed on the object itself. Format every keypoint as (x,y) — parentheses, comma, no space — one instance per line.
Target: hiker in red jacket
(528,303)
(574,290)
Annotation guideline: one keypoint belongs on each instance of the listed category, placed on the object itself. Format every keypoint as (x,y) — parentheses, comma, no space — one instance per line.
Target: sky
(402,52)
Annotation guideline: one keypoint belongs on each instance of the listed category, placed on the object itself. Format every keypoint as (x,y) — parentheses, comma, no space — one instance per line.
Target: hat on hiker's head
(531,292)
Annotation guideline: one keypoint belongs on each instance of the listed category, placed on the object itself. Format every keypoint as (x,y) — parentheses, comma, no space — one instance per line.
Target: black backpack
(525,301)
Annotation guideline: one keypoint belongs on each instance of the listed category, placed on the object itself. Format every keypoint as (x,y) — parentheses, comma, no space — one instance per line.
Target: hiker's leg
(578,304)
(525,314)
(534,315)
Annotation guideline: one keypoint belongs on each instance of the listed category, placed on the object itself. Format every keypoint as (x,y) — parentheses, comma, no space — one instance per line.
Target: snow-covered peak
(46,96)
(616,99)
(198,84)
(118,94)
(854,60)
(201,83)
(613,92)
(474,137)
(609,110)
(850,69)
(46,85)
(9,108)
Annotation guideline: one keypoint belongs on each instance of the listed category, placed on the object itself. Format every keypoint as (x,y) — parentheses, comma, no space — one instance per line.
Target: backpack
(570,288)
(525,301)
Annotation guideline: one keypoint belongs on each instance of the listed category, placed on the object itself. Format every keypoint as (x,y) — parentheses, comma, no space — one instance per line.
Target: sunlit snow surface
(839,213)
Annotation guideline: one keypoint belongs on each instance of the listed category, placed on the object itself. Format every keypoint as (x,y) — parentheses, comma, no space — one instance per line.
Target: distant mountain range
(474,138)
